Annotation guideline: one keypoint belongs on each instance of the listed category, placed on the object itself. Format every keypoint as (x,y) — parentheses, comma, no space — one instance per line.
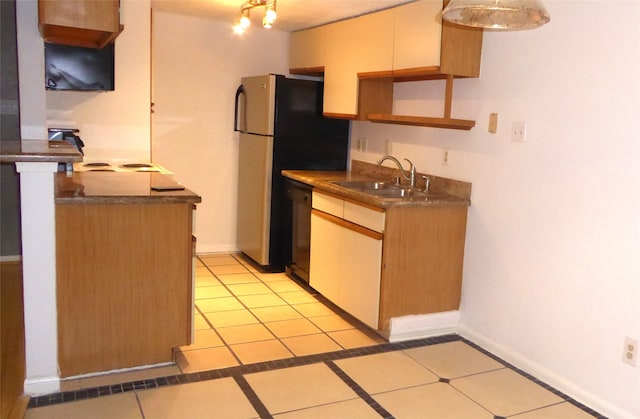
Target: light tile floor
(259,317)
(235,328)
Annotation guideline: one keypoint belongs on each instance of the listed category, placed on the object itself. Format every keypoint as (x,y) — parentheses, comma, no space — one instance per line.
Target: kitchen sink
(381,189)
(396,193)
(368,185)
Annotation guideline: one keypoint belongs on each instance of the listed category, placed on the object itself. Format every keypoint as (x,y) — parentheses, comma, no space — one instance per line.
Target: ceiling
(293,15)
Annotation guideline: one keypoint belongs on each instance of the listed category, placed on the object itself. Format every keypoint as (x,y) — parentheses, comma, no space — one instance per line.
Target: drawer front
(328,204)
(366,217)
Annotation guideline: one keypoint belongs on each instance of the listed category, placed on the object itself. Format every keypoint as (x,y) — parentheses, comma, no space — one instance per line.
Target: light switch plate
(519,131)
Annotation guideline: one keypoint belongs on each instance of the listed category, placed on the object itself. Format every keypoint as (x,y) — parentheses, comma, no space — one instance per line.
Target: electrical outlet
(361,144)
(445,157)
(630,351)
(519,131)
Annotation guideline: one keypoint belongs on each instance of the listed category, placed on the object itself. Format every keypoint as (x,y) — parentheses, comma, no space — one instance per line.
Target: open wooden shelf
(422,121)
(376,100)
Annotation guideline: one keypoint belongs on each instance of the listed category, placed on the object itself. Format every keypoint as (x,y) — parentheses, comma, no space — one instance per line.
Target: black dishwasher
(300,196)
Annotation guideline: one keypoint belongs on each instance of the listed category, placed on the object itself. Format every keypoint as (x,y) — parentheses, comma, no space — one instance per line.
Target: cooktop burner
(135,165)
(117,166)
(96,164)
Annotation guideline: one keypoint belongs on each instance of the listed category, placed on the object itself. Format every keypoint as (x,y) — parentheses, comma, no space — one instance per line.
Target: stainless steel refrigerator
(281,127)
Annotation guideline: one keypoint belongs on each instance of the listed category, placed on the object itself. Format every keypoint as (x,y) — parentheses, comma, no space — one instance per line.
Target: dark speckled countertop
(443,191)
(36,151)
(120,188)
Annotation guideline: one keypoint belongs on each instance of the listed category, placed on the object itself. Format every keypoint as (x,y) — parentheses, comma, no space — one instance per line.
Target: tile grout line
(101,391)
(447,381)
(225,285)
(292,306)
(262,323)
(139,405)
(251,395)
(362,393)
(57,398)
(542,384)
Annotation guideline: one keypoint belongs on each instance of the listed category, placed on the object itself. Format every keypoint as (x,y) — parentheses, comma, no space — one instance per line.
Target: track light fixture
(245,14)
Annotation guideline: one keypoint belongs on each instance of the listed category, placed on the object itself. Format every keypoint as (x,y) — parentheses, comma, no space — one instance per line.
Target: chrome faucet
(412,169)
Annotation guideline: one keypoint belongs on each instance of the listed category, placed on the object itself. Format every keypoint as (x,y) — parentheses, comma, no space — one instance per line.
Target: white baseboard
(40,386)
(10,258)
(423,326)
(119,371)
(545,375)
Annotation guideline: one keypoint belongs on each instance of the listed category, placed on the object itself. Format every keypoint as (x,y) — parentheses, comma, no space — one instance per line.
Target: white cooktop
(117,166)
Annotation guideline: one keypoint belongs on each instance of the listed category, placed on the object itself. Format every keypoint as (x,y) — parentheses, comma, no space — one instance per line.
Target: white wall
(552,263)
(197,67)
(114,125)
(30,71)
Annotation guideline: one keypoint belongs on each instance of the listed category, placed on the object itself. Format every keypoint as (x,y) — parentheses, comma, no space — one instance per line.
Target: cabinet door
(373,38)
(309,48)
(79,22)
(345,267)
(343,49)
(325,260)
(417,45)
(340,67)
(369,49)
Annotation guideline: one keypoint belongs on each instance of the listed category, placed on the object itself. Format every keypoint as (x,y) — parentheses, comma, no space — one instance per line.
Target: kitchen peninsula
(140,230)
(393,263)
(124,269)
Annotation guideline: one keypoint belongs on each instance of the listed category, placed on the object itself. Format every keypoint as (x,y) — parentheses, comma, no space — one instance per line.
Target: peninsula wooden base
(124,284)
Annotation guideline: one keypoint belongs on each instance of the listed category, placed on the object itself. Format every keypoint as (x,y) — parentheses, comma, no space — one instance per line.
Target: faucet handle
(427,183)
(412,173)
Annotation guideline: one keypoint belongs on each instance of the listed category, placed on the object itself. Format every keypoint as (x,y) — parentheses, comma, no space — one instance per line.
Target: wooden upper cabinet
(339,51)
(374,41)
(84,23)
(362,44)
(417,35)
(425,47)
(309,50)
(404,43)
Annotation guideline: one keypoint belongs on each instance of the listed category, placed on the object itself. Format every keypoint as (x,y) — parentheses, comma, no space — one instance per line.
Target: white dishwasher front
(345,265)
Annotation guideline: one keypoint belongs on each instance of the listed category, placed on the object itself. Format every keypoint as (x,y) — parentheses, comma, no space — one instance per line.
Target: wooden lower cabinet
(422,264)
(124,284)
(413,265)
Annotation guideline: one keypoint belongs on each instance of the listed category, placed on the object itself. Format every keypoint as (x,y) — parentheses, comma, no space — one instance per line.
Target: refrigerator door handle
(239,92)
